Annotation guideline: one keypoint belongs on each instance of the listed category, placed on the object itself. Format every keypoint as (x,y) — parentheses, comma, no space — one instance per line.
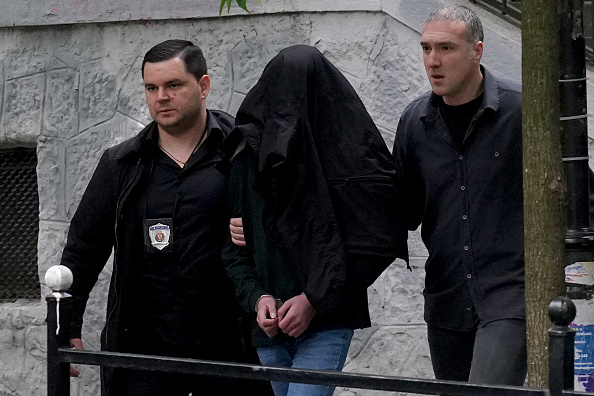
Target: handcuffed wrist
(259,298)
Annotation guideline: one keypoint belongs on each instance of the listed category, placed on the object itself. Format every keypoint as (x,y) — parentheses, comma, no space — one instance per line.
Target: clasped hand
(292,318)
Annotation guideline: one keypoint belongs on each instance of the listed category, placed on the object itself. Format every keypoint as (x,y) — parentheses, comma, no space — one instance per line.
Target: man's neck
(183,136)
(180,145)
(474,90)
(176,139)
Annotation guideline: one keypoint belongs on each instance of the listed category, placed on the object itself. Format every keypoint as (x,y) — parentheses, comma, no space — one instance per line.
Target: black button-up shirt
(469,201)
(184,296)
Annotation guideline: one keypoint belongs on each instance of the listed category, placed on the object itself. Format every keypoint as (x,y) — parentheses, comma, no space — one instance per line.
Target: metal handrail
(310,376)
(59,357)
(509,10)
(512,12)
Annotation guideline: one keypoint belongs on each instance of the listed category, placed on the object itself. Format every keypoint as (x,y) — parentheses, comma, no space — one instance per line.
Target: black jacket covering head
(325,173)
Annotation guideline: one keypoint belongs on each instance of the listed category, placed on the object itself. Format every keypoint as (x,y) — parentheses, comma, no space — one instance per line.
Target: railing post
(561,343)
(58,278)
(574,125)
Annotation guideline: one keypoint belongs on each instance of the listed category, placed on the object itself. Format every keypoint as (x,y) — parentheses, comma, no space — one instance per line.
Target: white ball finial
(58,278)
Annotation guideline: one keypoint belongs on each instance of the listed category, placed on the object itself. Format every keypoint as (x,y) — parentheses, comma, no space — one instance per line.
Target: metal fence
(511,10)
(59,357)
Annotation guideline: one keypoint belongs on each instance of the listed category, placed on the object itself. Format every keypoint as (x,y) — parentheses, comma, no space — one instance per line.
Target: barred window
(19,225)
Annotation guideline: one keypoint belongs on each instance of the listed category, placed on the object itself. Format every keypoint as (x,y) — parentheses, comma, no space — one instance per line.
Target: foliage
(241,3)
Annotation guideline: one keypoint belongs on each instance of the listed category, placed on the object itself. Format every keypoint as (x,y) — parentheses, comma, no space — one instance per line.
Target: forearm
(240,268)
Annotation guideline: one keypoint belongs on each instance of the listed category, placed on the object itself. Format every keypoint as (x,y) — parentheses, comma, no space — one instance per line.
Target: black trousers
(494,353)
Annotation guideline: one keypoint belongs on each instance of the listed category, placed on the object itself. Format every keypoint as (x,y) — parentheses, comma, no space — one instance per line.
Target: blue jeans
(324,350)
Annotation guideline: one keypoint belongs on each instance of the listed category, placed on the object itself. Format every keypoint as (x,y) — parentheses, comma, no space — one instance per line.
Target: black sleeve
(411,197)
(90,239)
(239,261)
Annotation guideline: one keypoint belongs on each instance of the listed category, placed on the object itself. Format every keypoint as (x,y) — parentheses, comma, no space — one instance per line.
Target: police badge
(159,235)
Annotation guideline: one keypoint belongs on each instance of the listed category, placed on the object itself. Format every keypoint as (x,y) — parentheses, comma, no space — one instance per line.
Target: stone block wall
(72,90)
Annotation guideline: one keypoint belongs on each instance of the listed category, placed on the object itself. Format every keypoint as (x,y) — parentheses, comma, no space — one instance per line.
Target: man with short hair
(160,201)
(459,155)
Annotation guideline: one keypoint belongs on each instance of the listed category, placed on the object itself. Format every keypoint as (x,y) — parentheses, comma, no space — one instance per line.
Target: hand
(236,230)
(267,317)
(75,343)
(295,315)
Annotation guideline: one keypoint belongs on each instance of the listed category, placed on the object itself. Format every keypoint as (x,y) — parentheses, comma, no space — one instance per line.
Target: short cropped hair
(189,53)
(455,12)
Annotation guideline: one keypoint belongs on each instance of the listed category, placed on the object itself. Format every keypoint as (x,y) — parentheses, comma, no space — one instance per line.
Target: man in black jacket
(160,201)
(459,155)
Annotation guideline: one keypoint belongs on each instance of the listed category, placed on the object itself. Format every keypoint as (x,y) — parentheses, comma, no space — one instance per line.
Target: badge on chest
(158,233)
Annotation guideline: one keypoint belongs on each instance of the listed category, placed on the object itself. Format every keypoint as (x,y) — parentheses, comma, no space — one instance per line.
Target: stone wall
(73,88)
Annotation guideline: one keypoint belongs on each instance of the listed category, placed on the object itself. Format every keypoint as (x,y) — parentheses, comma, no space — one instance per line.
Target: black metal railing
(59,357)
(511,10)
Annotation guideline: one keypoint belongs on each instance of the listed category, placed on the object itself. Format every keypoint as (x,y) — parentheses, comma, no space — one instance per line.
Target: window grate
(19,225)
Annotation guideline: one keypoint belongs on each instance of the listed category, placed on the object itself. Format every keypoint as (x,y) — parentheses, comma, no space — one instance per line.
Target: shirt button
(469,276)
(460,157)
(462,188)
(464,217)
(496,154)
(465,247)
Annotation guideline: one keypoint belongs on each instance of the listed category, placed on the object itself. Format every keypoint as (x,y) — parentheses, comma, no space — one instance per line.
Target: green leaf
(240,3)
(243,4)
(223,2)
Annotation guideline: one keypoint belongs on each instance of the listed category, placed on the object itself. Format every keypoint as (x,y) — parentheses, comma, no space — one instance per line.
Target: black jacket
(325,177)
(264,268)
(105,219)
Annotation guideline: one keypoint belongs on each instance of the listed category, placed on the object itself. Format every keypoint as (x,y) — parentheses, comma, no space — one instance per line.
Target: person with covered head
(314,183)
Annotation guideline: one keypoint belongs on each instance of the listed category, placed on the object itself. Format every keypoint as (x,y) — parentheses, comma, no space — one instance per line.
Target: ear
(204,83)
(478,51)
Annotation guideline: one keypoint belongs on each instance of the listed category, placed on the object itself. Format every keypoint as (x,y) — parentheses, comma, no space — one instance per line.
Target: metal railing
(60,356)
(511,10)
